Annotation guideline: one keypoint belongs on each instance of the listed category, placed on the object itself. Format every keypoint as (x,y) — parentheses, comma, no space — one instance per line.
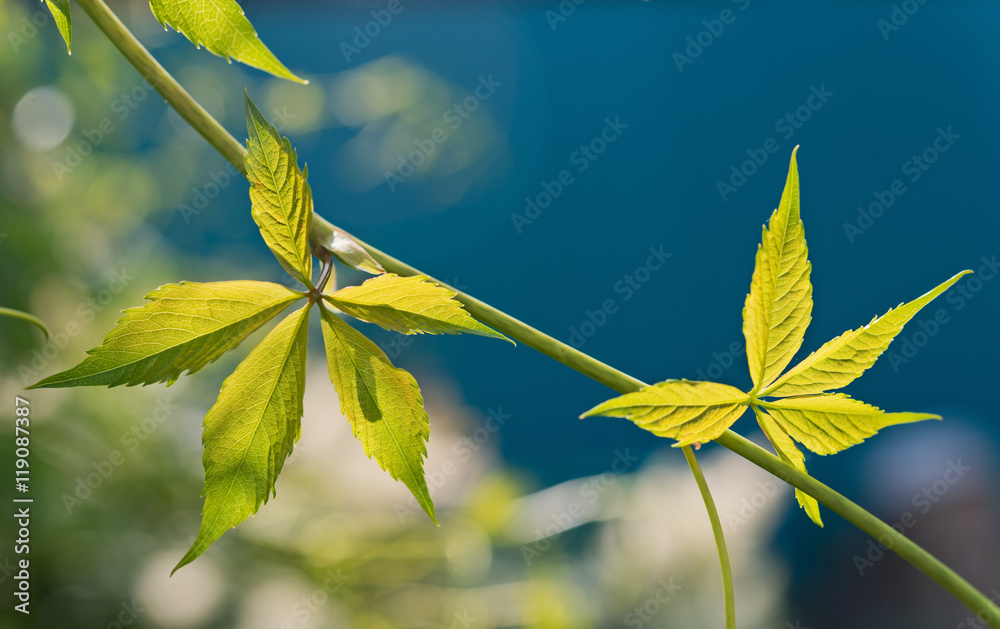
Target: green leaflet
(779,305)
(775,316)
(183,328)
(221,27)
(690,412)
(251,429)
(64,21)
(786,449)
(827,423)
(25,316)
(280,196)
(383,404)
(838,362)
(410,305)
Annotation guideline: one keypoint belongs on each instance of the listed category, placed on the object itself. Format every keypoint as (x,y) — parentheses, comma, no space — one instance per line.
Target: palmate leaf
(838,362)
(221,27)
(790,454)
(279,194)
(775,316)
(827,423)
(64,21)
(183,328)
(383,404)
(690,412)
(410,305)
(779,305)
(251,429)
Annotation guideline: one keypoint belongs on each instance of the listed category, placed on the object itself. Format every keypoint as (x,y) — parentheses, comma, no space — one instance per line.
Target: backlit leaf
(690,412)
(383,404)
(790,454)
(837,363)
(410,305)
(64,21)
(779,305)
(830,422)
(280,196)
(221,27)
(183,328)
(251,429)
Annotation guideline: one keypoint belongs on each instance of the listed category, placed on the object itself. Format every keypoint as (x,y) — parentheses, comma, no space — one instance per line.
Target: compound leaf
(827,423)
(410,305)
(221,27)
(790,454)
(778,308)
(690,412)
(837,363)
(251,429)
(279,194)
(383,404)
(64,21)
(184,327)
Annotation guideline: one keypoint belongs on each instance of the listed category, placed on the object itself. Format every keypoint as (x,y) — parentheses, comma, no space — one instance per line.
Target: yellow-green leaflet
(827,423)
(837,363)
(410,305)
(183,328)
(779,305)
(786,449)
(383,404)
(251,430)
(221,27)
(279,194)
(690,412)
(64,21)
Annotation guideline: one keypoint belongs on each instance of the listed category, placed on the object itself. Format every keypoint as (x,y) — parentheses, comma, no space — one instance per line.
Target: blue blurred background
(604,172)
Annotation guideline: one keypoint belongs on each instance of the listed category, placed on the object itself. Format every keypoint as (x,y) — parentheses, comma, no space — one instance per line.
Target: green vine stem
(720,541)
(322,231)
